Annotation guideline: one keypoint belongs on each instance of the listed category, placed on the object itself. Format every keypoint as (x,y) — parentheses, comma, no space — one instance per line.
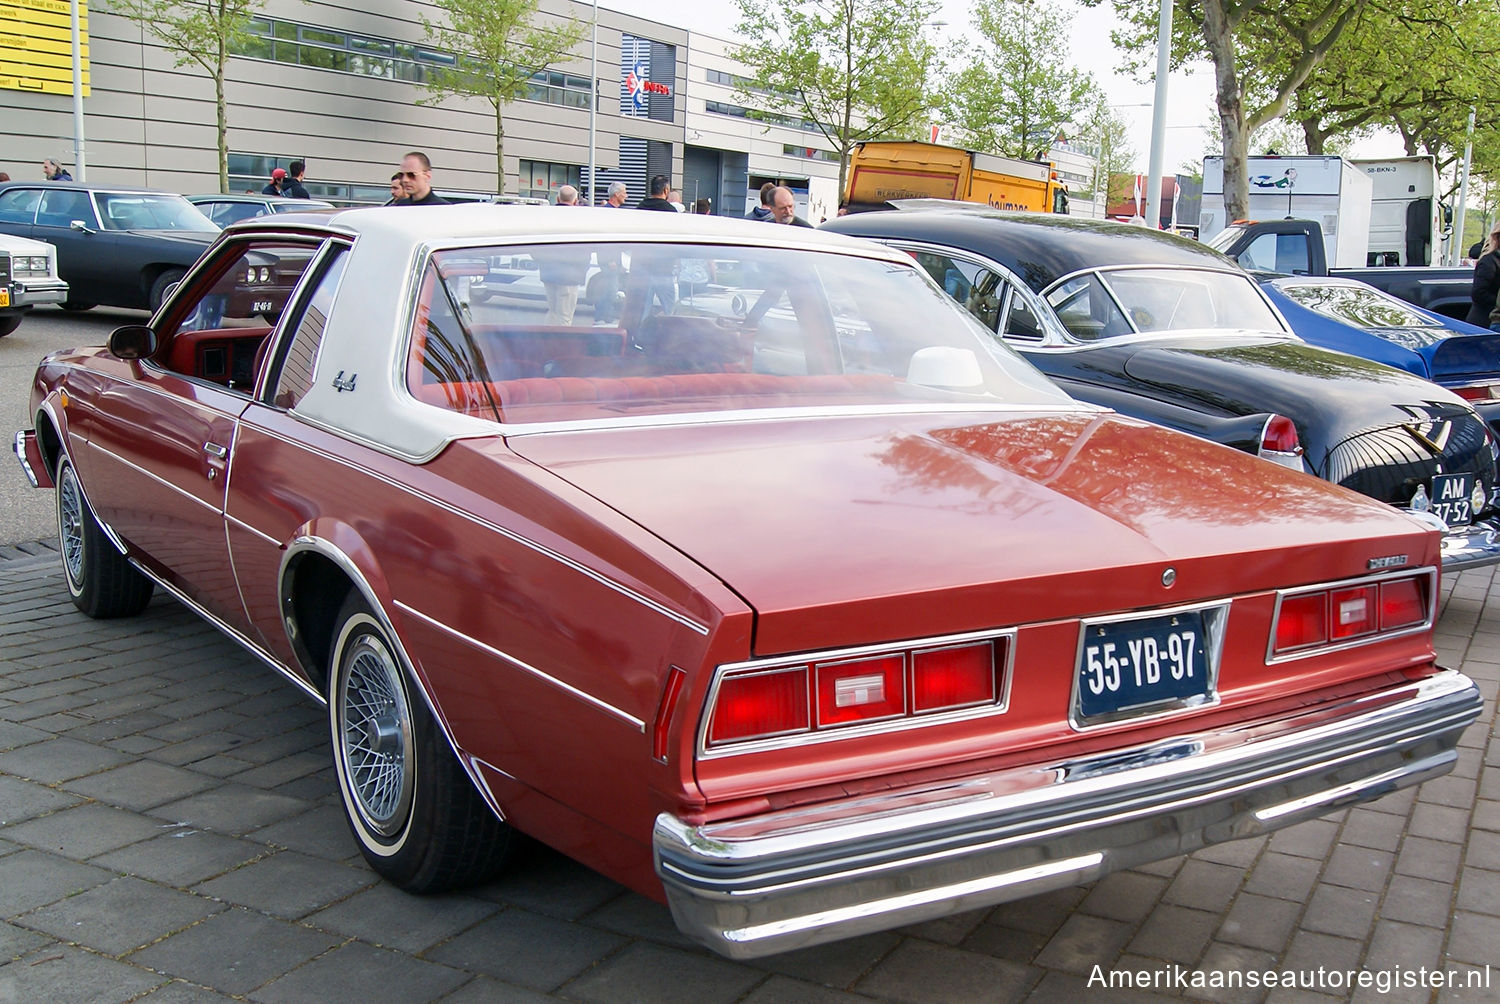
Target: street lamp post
(79,163)
(1159,116)
(593,108)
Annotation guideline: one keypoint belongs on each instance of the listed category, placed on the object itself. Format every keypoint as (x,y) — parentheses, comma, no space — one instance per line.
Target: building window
(541,180)
(769,118)
(367,56)
(808,153)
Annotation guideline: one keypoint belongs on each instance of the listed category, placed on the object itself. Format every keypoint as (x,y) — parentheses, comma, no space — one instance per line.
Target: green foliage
(857,69)
(499,47)
(1262,51)
(202,34)
(1014,94)
(1109,134)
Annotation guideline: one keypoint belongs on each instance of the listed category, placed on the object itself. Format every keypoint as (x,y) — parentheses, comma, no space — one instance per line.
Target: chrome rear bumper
(791,878)
(29,453)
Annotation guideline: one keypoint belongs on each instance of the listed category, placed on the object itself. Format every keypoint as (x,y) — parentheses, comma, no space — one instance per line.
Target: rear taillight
(1479,392)
(1280,436)
(954,677)
(759,705)
(1343,613)
(852,688)
(1302,621)
(1402,604)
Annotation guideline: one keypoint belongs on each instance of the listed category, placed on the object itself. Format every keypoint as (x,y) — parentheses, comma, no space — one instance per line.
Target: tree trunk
(846,127)
(1218,33)
(499,151)
(221,118)
(1315,138)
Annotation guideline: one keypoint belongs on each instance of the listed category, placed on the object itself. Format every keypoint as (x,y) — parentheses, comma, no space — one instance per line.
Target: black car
(1164,329)
(115,245)
(227,209)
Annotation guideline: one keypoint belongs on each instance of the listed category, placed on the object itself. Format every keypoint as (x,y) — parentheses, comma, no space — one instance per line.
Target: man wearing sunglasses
(416,182)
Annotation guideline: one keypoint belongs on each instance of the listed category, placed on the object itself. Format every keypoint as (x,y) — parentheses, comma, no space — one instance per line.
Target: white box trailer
(1408,222)
(1330,190)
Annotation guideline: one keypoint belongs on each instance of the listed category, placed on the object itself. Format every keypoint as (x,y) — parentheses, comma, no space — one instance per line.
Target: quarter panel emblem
(341,385)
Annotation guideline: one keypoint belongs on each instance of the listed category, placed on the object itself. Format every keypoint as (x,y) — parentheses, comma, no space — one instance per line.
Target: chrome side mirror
(81,227)
(132,341)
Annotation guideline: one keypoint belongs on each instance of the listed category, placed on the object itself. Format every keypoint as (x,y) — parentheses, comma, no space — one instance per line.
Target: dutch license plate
(1450,498)
(1132,665)
(4,298)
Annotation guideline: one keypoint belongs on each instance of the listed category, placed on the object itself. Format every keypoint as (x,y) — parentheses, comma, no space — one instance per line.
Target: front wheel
(101,582)
(415,814)
(163,284)
(76,306)
(10,322)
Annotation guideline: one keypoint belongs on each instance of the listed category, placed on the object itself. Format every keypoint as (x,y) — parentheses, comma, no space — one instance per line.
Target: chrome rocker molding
(797,877)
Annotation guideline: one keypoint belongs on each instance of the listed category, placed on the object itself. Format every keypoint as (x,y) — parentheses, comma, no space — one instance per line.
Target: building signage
(36,46)
(639,84)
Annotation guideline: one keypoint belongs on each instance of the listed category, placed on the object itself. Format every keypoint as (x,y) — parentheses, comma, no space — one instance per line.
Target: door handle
(216,451)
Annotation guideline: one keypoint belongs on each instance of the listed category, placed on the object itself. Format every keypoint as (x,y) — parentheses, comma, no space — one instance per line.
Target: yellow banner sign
(36,46)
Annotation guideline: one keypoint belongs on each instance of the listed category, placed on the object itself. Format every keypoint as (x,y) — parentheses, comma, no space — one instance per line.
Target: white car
(28,276)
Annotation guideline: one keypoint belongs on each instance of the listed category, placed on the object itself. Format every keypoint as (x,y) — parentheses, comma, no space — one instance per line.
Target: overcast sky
(1190,105)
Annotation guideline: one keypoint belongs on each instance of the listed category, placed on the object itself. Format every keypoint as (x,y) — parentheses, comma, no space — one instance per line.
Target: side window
(1087,310)
(443,366)
(19,205)
(984,298)
(1291,254)
(59,208)
(1021,323)
(215,329)
(226,213)
(299,363)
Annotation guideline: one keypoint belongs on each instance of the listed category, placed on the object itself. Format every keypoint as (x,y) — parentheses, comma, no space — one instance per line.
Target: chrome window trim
(526,667)
(1369,639)
(1056,332)
(1285,332)
(1215,623)
(280,337)
(839,733)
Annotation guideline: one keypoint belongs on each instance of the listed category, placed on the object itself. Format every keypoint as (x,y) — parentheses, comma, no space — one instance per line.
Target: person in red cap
(274,188)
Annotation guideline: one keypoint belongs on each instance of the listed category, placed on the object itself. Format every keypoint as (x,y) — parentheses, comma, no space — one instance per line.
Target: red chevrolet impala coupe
(755,574)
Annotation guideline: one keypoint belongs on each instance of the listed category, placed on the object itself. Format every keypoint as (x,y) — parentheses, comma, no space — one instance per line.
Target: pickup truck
(1295,247)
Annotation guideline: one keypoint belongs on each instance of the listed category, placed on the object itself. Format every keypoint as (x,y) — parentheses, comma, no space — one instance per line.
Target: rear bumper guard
(791,878)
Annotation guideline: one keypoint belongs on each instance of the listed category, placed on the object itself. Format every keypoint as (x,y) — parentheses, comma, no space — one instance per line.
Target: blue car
(1355,317)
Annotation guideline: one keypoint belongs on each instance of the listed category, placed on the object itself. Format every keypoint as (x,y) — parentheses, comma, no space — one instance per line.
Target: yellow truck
(881,171)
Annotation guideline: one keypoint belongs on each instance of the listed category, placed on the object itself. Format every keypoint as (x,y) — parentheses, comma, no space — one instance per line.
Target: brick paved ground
(169,832)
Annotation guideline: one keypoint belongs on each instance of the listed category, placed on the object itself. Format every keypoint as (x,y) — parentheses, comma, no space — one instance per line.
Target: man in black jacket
(416,182)
(784,208)
(291,185)
(657,200)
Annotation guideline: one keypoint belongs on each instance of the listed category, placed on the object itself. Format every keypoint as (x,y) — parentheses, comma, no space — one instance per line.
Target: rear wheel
(415,814)
(101,582)
(10,322)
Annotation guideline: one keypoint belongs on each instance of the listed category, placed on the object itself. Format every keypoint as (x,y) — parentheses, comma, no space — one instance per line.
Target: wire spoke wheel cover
(70,527)
(373,733)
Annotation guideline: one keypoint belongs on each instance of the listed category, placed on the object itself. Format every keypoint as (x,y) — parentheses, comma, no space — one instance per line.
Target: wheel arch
(324,563)
(49,437)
